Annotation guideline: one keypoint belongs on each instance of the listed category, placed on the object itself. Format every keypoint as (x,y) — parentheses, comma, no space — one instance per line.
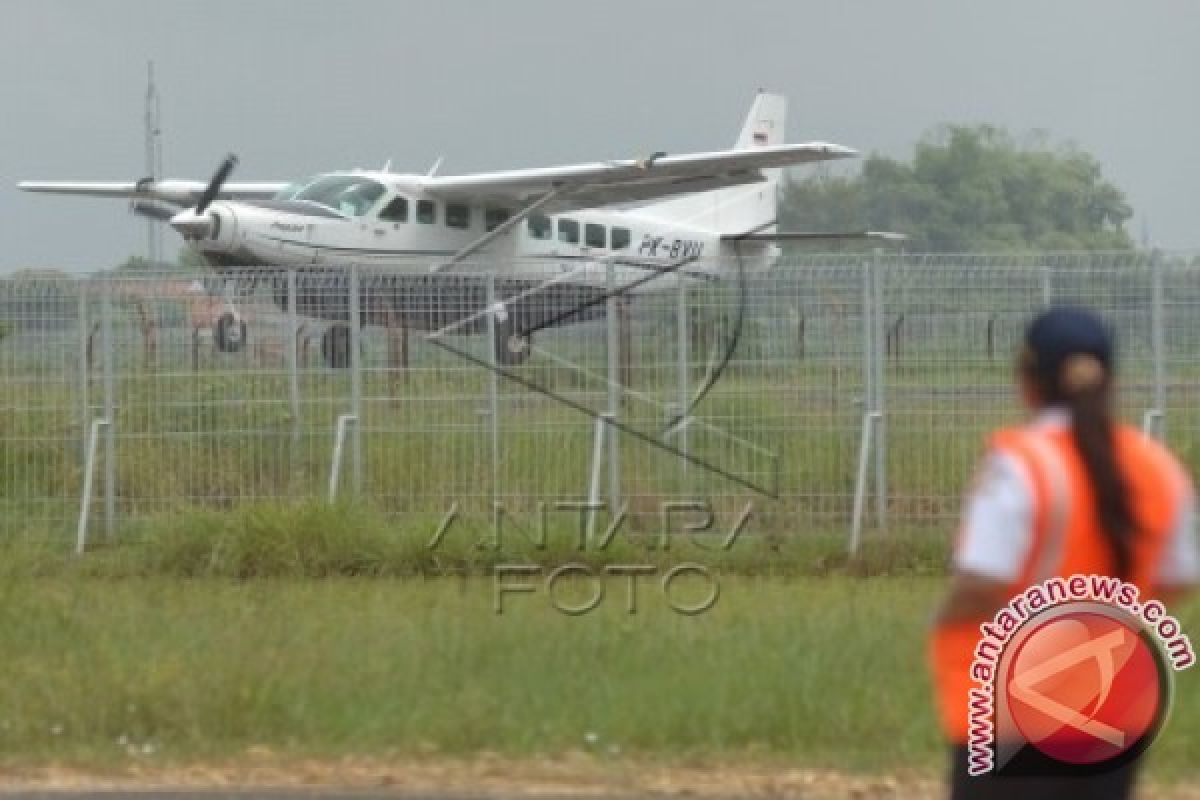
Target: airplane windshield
(290,191)
(350,194)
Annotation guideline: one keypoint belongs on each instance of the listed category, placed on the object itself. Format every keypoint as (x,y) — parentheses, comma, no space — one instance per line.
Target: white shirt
(997,529)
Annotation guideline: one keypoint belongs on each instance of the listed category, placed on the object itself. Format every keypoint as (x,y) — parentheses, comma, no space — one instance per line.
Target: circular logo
(1085,687)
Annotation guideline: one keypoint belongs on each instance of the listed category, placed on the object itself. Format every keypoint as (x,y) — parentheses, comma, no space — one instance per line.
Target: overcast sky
(298,87)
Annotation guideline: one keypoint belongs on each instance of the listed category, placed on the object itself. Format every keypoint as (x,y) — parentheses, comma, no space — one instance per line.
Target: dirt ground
(579,774)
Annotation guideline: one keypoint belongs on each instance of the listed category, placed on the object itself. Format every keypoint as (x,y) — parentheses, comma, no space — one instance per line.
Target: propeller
(214,185)
(193,223)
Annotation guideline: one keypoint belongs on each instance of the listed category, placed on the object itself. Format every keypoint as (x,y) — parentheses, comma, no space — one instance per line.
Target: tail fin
(738,209)
(764,125)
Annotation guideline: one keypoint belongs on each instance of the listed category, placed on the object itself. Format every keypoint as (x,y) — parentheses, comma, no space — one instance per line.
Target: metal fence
(859,391)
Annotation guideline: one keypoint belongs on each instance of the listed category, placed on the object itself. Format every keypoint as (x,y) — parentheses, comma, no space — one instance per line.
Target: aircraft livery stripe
(311,246)
(367,251)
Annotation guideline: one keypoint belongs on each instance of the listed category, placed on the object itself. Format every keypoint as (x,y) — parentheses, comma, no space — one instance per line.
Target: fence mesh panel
(416,391)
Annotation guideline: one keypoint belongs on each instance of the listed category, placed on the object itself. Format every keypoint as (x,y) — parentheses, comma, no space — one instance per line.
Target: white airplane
(564,235)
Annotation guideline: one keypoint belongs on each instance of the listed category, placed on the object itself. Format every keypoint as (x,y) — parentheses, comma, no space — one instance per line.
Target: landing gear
(335,346)
(512,346)
(230,333)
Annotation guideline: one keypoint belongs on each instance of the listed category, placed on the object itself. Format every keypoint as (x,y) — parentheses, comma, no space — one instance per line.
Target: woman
(1071,492)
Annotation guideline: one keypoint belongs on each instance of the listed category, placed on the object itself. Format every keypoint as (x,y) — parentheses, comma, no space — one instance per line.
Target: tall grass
(315,539)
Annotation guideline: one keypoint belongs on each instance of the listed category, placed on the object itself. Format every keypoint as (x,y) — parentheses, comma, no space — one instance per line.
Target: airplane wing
(180,193)
(628,181)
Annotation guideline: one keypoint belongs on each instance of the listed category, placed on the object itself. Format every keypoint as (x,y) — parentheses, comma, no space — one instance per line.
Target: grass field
(814,672)
(172,651)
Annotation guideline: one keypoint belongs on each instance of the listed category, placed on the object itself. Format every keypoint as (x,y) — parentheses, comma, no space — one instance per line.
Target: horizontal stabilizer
(806,236)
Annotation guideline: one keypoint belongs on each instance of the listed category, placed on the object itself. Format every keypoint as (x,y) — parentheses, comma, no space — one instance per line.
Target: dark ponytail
(1083,385)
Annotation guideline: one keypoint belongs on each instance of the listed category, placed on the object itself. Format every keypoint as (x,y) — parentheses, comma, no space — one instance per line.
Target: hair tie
(1082,372)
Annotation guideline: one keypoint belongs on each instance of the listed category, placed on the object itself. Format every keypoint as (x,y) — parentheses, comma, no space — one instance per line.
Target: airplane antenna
(153,144)
(436,166)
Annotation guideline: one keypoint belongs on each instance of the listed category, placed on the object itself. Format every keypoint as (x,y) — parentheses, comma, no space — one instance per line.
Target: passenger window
(495,217)
(540,227)
(426,212)
(594,236)
(395,211)
(620,238)
(568,231)
(458,216)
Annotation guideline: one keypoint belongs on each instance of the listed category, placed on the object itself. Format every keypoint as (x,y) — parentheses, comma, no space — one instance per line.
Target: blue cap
(1064,331)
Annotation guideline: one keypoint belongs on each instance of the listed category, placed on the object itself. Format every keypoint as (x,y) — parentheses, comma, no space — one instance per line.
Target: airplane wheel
(512,348)
(335,346)
(230,335)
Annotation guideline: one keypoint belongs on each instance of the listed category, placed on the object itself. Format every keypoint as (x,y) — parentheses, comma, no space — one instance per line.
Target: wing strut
(499,230)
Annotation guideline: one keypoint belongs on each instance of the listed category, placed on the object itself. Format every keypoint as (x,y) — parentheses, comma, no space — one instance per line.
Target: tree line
(970,188)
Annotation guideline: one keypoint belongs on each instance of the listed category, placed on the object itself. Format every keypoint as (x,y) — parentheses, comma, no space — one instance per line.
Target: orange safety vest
(1067,538)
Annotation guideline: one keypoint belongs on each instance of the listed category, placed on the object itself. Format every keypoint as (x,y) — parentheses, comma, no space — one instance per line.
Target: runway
(251,793)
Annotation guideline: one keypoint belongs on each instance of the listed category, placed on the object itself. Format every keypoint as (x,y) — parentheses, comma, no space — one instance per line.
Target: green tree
(971,189)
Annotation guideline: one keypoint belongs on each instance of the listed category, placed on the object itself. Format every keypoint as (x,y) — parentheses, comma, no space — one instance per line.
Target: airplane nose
(192,225)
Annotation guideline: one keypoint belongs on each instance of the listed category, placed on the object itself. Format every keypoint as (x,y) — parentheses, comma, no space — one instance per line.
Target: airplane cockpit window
(540,227)
(568,231)
(594,236)
(495,217)
(395,211)
(350,194)
(620,238)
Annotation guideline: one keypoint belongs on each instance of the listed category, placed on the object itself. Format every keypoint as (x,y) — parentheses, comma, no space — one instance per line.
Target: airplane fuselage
(403,228)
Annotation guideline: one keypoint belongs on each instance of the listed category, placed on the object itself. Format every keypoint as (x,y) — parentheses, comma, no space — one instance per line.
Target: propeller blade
(218,180)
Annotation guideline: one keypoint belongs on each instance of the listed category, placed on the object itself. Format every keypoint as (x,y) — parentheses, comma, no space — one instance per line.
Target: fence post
(682,356)
(869,416)
(293,357)
(879,343)
(1158,343)
(493,387)
(866,439)
(868,311)
(110,441)
(85,410)
(601,429)
(335,461)
(356,455)
(85,502)
(614,389)
(1047,285)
